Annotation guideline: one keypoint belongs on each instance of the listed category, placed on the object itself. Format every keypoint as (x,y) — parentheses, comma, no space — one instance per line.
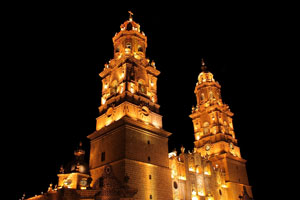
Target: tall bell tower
(129,135)
(214,133)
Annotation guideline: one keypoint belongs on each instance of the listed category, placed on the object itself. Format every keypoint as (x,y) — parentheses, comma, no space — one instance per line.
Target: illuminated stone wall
(137,150)
(130,142)
(215,169)
(195,177)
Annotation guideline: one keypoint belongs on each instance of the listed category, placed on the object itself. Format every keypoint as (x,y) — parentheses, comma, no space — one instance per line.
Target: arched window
(128,45)
(114,87)
(205,128)
(202,96)
(140,49)
(226,127)
(175,185)
(142,87)
(129,27)
(211,95)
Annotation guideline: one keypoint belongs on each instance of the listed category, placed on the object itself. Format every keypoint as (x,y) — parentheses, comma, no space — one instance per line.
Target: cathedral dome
(206,77)
(78,164)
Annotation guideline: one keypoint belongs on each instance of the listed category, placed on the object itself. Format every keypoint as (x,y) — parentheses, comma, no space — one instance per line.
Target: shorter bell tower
(214,132)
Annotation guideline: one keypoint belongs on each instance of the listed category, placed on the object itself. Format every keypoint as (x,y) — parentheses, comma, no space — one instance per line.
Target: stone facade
(129,149)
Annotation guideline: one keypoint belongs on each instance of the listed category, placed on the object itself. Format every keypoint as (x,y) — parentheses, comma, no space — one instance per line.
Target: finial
(153,64)
(203,67)
(79,151)
(182,149)
(62,170)
(50,188)
(130,15)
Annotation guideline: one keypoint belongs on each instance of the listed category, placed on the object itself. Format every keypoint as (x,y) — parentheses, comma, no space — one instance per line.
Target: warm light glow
(206,173)
(120,55)
(224,186)
(83,188)
(132,88)
(155,123)
(182,178)
(108,122)
(127,50)
(153,99)
(137,56)
(194,195)
(201,193)
(171,154)
(191,169)
(122,89)
(119,116)
(103,100)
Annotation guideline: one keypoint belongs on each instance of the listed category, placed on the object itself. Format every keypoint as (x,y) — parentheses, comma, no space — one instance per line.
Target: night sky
(59,50)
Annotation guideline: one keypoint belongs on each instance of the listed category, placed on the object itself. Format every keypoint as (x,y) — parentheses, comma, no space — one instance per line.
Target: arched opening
(142,87)
(211,95)
(175,185)
(129,27)
(128,45)
(226,127)
(114,87)
(205,128)
(202,97)
(140,49)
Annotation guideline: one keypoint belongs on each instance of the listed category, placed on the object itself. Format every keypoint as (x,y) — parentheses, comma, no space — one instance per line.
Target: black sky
(57,51)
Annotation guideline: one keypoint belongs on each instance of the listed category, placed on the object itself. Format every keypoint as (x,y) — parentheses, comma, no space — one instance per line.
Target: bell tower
(214,133)
(129,77)
(129,135)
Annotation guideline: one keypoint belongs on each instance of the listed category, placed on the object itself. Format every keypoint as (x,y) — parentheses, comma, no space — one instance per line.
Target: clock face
(108,169)
(68,181)
(145,110)
(109,112)
(83,182)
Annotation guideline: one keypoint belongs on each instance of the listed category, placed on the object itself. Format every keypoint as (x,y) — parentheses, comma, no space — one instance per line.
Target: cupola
(205,75)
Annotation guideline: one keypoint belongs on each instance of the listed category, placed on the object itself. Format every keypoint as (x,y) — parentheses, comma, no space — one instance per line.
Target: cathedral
(129,158)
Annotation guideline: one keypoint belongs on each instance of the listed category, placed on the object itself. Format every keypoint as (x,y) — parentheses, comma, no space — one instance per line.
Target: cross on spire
(130,15)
